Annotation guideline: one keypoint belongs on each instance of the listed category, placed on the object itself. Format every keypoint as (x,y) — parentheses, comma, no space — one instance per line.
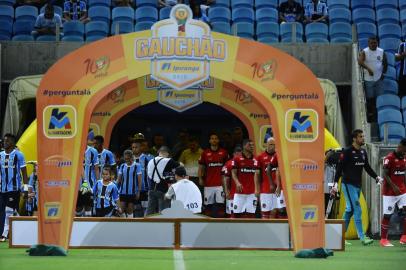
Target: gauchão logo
(301,125)
(52,210)
(180,49)
(59,121)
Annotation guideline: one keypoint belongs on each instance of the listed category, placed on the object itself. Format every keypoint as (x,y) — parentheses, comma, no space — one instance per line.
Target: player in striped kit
(106,157)
(129,181)
(105,194)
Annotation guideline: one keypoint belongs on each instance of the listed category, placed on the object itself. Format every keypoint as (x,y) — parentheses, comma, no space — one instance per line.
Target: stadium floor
(355,257)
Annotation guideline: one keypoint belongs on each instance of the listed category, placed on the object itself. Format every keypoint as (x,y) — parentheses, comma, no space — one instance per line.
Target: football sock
(385,227)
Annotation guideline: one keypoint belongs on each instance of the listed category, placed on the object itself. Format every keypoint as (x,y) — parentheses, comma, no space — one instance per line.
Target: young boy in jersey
(129,181)
(105,194)
(228,183)
(394,190)
(245,174)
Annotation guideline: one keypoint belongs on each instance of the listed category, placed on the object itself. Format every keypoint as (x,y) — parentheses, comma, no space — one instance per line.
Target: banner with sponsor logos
(181,63)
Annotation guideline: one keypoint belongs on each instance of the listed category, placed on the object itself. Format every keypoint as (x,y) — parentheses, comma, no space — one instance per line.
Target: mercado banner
(180,64)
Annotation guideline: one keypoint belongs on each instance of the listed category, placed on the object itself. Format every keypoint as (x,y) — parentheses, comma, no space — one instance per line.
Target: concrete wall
(331,61)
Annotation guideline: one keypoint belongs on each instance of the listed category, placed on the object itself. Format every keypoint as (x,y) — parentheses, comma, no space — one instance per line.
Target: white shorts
(244,203)
(389,203)
(278,202)
(213,195)
(267,202)
(229,207)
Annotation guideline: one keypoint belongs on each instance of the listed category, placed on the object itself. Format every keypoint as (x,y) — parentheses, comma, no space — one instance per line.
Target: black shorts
(12,199)
(128,198)
(84,200)
(104,212)
(143,196)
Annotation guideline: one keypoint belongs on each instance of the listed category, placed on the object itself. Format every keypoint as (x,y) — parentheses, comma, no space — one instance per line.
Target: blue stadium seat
(219,14)
(244,29)
(389,44)
(23,28)
(404,31)
(165,12)
(242,3)
(73,31)
(26,13)
(386,4)
(7,3)
(388,101)
(57,9)
(403,104)
(99,13)
(146,14)
(390,87)
(403,16)
(266,4)
(362,4)
(389,30)
(6,28)
(365,30)
(102,3)
(221,3)
(391,59)
(266,15)
(96,30)
(151,3)
(390,73)
(23,38)
(340,32)
(243,15)
(124,27)
(268,32)
(361,15)
(333,4)
(123,14)
(339,15)
(48,38)
(7,14)
(389,116)
(387,15)
(286,32)
(402,4)
(316,33)
(144,25)
(221,27)
(396,132)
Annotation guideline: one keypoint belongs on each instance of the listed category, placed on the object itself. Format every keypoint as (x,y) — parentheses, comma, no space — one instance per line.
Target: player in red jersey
(211,162)
(245,174)
(278,199)
(268,188)
(394,190)
(228,183)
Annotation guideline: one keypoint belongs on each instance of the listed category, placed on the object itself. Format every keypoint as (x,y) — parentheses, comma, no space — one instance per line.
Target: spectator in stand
(373,60)
(47,22)
(290,11)
(400,56)
(168,3)
(123,3)
(75,10)
(198,13)
(316,11)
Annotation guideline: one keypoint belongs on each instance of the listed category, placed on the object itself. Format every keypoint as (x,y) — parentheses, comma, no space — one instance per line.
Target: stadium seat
(142,3)
(316,33)
(391,59)
(403,104)
(403,16)
(6,29)
(165,12)
(221,3)
(361,15)
(362,43)
(387,15)
(355,4)
(242,3)
(221,27)
(340,32)
(390,73)
(244,29)
(389,116)
(22,28)
(6,14)
(267,32)
(389,30)
(99,13)
(57,9)
(387,101)
(266,4)
(73,31)
(100,3)
(96,30)
(243,15)
(333,4)
(366,29)
(286,32)
(389,44)
(266,15)
(146,13)
(48,38)
(23,38)
(390,87)
(123,14)
(386,4)
(26,13)
(10,3)
(219,14)
(402,4)
(396,132)
(124,27)
(339,15)
(144,25)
